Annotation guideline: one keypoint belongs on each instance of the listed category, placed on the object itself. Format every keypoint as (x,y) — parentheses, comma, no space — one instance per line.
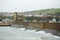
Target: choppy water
(11,33)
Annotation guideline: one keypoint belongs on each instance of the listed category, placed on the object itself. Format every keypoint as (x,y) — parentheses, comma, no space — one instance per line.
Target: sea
(15,33)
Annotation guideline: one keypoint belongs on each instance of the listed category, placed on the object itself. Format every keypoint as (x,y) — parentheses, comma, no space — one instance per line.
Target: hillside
(49,11)
(55,10)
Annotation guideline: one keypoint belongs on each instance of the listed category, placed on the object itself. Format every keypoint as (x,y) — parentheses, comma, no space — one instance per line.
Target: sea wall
(42,25)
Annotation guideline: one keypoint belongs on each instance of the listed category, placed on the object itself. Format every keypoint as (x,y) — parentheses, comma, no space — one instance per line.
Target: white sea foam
(7,33)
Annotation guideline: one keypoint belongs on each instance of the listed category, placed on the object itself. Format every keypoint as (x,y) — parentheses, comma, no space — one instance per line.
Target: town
(41,21)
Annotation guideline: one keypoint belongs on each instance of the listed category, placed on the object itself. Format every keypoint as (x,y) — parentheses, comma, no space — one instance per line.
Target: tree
(31,18)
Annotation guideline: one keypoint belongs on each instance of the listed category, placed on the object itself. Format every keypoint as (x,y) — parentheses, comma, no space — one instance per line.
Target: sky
(27,5)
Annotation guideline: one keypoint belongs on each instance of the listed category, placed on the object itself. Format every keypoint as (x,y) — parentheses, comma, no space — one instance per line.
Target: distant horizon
(34,10)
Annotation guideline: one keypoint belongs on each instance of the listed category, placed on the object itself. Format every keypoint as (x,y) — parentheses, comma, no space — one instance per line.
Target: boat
(5,24)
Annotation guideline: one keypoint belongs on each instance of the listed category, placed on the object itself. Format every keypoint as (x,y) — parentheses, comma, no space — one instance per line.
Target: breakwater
(55,26)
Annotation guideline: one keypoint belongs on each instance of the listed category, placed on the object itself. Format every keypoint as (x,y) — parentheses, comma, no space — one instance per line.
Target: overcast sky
(27,5)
